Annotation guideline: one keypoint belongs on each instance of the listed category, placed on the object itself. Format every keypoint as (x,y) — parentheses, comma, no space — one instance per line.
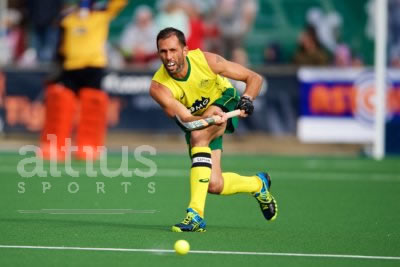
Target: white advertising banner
(337,105)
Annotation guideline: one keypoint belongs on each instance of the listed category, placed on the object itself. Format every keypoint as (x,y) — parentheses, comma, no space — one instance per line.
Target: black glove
(246,104)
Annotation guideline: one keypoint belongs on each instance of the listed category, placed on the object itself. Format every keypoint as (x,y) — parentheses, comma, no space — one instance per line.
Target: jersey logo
(204,83)
(199,104)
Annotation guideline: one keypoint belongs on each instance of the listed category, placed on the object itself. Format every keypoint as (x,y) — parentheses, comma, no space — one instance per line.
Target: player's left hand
(220,117)
(246,106)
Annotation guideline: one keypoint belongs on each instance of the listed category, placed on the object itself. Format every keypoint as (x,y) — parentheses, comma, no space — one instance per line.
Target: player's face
(172,54)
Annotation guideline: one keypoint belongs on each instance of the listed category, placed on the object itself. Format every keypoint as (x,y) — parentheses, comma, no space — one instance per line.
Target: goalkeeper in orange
(191,85)
(82,51)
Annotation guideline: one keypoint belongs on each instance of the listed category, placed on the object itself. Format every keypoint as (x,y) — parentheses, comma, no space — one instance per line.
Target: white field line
(304,175)
(210,252)
(86,211)
(287,174)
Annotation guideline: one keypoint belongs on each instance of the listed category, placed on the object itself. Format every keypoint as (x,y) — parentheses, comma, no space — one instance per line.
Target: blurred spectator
(197,27)
(2,100)
(239,55)
(172,14)
(43,15)
(15,37)
(394,56)
(235,18)
(326,26)
(370,9)
(200,29)
(309,50)
(357,61)
(272,54)
(138,38)
(115,56)
(393,29)
(2,88)
(342,56)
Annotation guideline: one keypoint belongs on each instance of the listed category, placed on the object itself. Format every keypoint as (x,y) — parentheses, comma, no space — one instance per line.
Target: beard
(177,67)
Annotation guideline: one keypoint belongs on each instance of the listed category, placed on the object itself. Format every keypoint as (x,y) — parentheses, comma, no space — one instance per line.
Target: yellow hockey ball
(182,247)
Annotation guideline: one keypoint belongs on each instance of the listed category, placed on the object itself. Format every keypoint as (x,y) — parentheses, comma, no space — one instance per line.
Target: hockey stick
(203,123)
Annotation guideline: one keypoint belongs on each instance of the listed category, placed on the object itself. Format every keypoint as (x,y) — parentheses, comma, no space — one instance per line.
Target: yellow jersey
(201,86)
(84,38)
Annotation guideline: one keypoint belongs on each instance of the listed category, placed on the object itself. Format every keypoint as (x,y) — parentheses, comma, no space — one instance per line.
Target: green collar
(184,79)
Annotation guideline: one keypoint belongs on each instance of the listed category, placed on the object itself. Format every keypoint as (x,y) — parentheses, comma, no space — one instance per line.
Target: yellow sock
(200,175)
(234,183)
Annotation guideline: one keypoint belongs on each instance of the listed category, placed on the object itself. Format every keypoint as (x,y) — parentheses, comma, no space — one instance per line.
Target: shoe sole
(178,230)
(269,181)
(269,189)
(276,210)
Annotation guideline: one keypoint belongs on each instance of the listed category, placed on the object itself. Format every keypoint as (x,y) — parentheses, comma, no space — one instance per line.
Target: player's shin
(200,174)
(235,183)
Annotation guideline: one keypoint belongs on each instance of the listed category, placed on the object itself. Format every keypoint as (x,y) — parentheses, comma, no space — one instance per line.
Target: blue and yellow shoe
(267,202)
(192,223)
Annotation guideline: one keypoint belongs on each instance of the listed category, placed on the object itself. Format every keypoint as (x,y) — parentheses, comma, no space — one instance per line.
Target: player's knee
(215,187)
(199,138)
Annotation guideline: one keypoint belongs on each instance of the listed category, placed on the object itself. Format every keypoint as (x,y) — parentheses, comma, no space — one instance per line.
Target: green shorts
(227,102)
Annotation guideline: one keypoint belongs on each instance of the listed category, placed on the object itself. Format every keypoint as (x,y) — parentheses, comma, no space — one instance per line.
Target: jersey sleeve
(114,7)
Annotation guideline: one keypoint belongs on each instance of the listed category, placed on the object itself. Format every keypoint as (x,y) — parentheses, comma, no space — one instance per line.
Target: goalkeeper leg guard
(60,114)
(92,123)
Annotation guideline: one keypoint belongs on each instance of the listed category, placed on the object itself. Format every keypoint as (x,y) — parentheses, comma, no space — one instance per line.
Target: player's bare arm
(168,103)
(173,108)
(235,71)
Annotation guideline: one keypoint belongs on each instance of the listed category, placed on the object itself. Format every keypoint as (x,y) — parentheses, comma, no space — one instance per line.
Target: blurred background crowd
(251,32)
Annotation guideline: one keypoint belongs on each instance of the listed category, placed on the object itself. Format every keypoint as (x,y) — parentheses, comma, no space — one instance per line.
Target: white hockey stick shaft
(203,123)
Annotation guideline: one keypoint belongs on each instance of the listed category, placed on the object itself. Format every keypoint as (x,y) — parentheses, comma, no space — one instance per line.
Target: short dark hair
(167,32)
